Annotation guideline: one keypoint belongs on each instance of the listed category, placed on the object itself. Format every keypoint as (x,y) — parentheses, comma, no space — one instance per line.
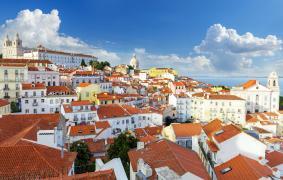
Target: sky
(196,37)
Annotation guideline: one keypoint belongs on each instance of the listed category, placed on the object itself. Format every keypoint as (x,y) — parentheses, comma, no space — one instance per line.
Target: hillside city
(67,115)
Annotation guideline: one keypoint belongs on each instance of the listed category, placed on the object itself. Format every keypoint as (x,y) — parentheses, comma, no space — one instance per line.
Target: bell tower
(273,82)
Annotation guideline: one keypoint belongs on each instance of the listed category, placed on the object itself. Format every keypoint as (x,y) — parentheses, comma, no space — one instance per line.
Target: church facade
(260,98)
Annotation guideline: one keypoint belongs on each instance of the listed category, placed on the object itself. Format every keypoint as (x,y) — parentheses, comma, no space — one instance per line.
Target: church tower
(273,82)
(12,48)
(134,62)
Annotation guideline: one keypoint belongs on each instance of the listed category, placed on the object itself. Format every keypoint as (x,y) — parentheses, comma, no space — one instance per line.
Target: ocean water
(234,81)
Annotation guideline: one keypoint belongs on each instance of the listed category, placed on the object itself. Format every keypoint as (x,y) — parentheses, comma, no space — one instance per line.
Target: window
(27,111)
(42,100)
(42,110)
(34,93)
(26,101)
(51,101)
(42,93)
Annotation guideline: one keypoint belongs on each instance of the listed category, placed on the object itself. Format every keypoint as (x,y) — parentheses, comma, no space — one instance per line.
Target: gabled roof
(97,175)
(102,124)
(111,111)
(33,161)
(59,89)
(149,130)
(242,167)
(81,103)
(212,126)
(13,127)
(165,153)
(226,133)
(186,129)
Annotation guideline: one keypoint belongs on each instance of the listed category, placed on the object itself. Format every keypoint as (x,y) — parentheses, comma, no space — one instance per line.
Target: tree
(169,120)
(119,149)
(1,56)
(14,107)
(130,67)
(99,65)
(82,162)
(83,64)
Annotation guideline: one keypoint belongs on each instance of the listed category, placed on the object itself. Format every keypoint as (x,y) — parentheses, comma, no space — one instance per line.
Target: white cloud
(219,38)
(36,28)
(232,52)
(185,65)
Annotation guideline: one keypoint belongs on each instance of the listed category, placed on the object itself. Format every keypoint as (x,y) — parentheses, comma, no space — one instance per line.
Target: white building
(43,75)
(79,112)
(260,98)
(134,62)
(14,49)
(124,117)
(39,99)
(229,108)
(182,103)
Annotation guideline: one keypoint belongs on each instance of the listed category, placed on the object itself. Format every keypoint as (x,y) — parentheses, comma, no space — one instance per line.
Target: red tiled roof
(152,131)
(25,61)
(97,175)
(33,161)
(165,153)
(186,129)
(212,146)
(212,127)
(251,119)
(274,158)
(59,89)
(4,102)
(249,84)
(261,130)
(147,139)
(98,146)
(106,96)
(80,103)
(29,86)
(82,130)
(179,83)
(102,124)
(242,168)
(111,111)
(227,132)
(14,127)
(84,84)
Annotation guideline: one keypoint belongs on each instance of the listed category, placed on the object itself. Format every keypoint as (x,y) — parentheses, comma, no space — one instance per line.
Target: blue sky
(163,31)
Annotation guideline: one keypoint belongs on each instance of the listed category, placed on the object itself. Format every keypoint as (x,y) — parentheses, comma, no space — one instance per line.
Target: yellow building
(11,76)
(87,91)
(159,72)
(106,98)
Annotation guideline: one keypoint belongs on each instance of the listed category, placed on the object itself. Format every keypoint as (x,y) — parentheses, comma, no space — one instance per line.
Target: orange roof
(59,89)
(152,131)
(249,84)
(29,86)
(102,124)
(242,168)
(84,84)
(28,160)
(179,83)
(97,175)
(111,111)
(186,129)
(212,127)
(261,130)
(4,102)
(106,96)
(147,139)
(271,114)
(165,153)
(251,119)
(25,61)
(81,103)
(274,158)
(82,130)
(98,146)
(226,133)
(13,127)
(212,146)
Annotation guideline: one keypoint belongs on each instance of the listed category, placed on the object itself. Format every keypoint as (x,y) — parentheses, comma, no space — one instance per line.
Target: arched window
(274,83)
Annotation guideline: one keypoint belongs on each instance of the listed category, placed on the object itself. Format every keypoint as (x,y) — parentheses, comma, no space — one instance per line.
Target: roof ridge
(173,152)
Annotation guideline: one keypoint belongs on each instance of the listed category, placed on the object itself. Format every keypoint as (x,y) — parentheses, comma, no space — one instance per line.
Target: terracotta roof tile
(186,129)
(84,84)
(4,102)
(249,84)
(29,86)
(212,146)
(97,175)
(98,146)
(212,127)
(242,168)
(33,161)
(59,89)
(274,158)
(226,133)
(82,130)
(111,111)
(102,124)
(165,153)
(80,103)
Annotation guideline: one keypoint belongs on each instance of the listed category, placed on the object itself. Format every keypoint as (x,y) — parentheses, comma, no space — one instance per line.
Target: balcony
(6,97)
(6,89)
(35,104)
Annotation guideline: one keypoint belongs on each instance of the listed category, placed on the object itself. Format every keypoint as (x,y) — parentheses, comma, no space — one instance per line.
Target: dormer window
(92,130)
(225,170)
(219,132)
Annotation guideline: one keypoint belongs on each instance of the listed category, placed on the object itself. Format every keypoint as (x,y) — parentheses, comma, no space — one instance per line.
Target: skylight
(224,171)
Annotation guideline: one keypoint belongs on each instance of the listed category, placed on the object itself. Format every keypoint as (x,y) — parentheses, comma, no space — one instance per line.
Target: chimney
(140,145)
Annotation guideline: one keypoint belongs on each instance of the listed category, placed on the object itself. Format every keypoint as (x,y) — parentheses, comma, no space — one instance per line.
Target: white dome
(273,74)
